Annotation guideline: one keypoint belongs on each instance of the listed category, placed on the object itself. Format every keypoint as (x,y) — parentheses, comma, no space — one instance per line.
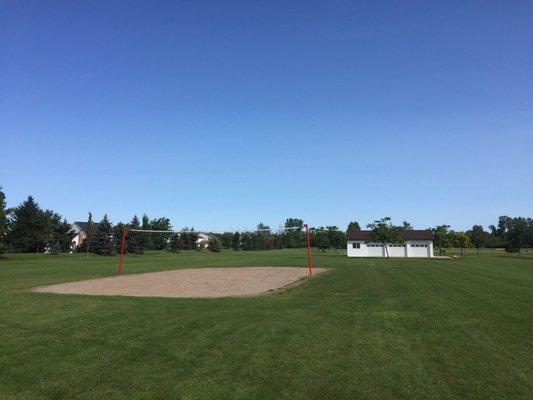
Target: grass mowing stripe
(372,328)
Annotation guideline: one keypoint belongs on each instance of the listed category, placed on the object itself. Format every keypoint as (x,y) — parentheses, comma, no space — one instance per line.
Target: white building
(416,244)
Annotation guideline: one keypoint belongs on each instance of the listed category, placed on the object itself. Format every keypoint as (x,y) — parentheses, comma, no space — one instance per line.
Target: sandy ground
(197,282)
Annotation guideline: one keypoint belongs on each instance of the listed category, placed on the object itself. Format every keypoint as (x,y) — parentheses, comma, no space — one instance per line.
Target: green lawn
(373,328)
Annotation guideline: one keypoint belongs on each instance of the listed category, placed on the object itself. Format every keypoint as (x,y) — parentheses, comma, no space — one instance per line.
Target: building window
(356,245)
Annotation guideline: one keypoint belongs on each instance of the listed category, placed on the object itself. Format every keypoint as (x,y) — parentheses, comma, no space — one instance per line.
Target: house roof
(407,235)
(83,225)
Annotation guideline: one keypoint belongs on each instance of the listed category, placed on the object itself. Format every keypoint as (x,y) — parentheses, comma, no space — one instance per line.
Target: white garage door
(374,250)
(419,250)
(396,250)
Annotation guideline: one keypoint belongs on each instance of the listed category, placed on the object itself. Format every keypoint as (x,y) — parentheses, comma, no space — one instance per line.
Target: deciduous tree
(441,237)
(354,226)
(477,237)
(384,232)
(293,235)
(161,241)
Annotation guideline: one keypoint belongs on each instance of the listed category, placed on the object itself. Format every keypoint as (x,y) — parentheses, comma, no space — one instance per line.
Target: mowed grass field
(372,328)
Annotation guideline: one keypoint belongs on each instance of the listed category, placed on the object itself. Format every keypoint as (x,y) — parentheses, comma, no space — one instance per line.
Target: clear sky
(224,114)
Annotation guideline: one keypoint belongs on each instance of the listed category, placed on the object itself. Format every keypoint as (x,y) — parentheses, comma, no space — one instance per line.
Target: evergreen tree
(55,249)
(227,240)
(103,242)
(189,238)
(148,243)
(31,228)
(177,243)
(215,244)
(3,222)
(236,241)
(134,242)
(260,237)
(118,230)
(62,235)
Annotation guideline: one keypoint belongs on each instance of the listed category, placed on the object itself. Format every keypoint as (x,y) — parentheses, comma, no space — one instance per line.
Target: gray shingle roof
(83,225)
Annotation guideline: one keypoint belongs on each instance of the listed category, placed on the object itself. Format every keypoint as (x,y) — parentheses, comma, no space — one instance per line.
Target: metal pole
(309,265)
(123,242)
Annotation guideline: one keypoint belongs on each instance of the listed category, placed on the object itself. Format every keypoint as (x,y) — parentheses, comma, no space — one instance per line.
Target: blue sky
(221,115)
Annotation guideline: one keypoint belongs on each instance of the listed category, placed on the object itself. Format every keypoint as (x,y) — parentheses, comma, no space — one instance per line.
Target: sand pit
(188,283)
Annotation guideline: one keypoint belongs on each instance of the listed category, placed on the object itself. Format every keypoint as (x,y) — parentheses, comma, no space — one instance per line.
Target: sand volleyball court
(188,283)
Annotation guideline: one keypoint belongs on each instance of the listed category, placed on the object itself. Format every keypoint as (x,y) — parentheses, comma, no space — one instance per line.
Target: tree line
(511,233)
(29,228)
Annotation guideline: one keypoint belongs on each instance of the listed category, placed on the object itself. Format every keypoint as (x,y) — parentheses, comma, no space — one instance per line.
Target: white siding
(353,251)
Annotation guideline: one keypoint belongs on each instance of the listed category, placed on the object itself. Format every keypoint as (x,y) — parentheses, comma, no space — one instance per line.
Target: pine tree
(31,229)
(62,234)
(117,233)
(215,244)
(134,241)
(3,222)
(236,241)
(227,239)
(189,238)
(176,243)
(103,242)
(55,249)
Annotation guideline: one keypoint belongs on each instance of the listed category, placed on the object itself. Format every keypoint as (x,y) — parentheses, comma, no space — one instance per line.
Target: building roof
(407,235)
(83,225)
